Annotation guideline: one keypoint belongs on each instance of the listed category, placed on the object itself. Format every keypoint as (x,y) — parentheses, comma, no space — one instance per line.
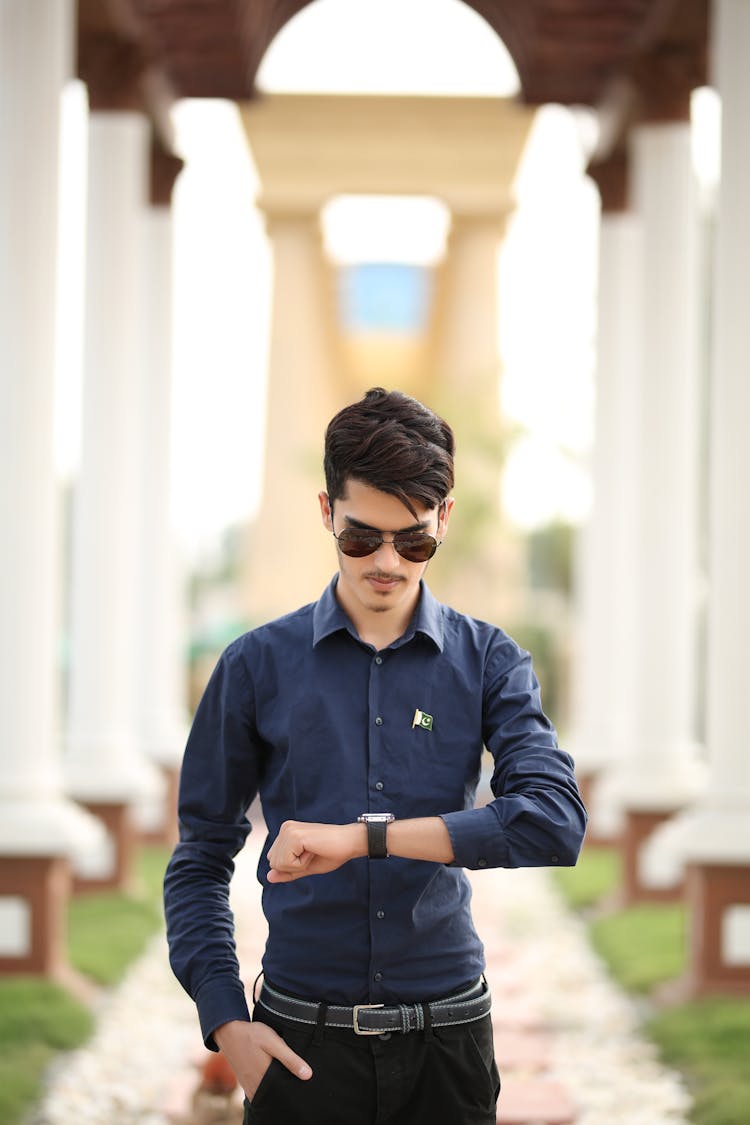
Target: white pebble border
(613,1074)
(147,1028)
(146,1032)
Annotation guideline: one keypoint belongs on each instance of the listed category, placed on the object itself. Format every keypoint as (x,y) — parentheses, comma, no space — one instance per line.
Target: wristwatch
(377,823)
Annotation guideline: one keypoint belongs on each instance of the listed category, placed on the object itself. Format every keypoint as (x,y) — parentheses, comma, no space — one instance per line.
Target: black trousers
(444,1074)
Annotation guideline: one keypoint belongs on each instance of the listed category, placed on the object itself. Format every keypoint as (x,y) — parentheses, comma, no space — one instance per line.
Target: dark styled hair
(394,444)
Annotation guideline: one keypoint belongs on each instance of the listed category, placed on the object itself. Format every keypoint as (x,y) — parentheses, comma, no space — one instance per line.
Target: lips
(382,582)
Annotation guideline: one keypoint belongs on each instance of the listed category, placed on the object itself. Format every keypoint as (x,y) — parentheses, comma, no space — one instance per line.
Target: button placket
(376,725)
(379,873)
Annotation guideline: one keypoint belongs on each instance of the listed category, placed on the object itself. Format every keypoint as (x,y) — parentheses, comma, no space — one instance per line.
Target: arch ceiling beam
(567,51)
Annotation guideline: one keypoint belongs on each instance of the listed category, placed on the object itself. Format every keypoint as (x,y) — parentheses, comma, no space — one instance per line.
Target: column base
(34,892)
(167,832)
(712,891)
(595,838)
(117,820)
(637,828)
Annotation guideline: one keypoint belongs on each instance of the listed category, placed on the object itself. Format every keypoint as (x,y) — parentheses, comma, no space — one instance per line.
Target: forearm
(424,838)
(316,849)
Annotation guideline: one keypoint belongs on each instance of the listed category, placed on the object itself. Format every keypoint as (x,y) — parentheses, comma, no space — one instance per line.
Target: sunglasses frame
(378,540)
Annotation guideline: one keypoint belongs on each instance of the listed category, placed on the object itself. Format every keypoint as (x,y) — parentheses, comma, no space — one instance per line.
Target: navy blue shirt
(324,728)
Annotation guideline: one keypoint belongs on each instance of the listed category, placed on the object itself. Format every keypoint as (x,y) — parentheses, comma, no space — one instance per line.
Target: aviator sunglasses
(414,546)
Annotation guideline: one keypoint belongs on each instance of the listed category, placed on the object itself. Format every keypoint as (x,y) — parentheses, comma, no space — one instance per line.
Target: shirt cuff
(477,838)
(220,1000)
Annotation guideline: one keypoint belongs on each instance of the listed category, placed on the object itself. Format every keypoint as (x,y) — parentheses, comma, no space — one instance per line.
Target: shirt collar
(329,617)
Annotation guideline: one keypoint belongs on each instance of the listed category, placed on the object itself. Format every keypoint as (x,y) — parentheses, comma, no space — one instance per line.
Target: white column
(664,772)
(35,61)
(103,763)
(468,347)
(160,656)
(717,830)
(607,649)
(302,397)
(466,383)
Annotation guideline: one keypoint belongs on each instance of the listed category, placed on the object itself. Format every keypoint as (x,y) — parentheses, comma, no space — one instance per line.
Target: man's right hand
(250,1047)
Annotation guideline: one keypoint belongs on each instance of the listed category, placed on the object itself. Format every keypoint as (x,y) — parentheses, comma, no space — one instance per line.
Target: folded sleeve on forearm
(537,818)
(476,839)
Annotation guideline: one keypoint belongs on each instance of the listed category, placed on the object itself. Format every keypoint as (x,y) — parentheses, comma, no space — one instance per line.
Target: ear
(325,510)
(445,514)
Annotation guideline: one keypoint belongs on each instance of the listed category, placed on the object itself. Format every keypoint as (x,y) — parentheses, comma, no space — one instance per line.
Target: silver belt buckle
(355,1017)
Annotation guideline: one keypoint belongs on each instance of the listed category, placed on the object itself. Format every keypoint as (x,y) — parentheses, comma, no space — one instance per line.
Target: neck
(376,628)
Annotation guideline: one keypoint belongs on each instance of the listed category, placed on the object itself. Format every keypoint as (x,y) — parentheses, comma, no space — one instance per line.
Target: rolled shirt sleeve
(537,817)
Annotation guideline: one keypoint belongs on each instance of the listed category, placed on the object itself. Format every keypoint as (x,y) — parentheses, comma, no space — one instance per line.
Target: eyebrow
(422,525)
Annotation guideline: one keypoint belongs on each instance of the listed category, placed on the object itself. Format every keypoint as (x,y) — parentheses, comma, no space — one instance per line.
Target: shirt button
(378,659)
(555,858)
(482,862)
(378,976)
(381,914)
(378,722)
(379,786)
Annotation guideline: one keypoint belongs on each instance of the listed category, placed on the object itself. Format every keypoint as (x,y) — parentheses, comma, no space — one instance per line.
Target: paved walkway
(566,1038)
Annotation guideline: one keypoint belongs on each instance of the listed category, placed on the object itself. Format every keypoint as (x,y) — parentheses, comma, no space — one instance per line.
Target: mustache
(384,576)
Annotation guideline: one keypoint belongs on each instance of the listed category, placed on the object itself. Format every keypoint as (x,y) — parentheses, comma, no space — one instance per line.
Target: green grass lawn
(709,1041)
(37,1018)
(107,931)
(645,946)
(594,878)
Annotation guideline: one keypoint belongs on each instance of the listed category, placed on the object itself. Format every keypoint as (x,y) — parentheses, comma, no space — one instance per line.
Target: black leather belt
(377,1019)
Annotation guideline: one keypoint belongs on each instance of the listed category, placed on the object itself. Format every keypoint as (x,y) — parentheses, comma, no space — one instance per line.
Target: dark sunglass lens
(415,548)
(357,544)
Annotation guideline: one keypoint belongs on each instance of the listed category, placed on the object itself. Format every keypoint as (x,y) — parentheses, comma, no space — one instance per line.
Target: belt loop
(427,1017)
(320,1024)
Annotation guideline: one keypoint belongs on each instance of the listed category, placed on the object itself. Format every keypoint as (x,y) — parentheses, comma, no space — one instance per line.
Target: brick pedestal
(638,827)
(587,780)
(117,820)
(167,834)
(712,890)
(41,885)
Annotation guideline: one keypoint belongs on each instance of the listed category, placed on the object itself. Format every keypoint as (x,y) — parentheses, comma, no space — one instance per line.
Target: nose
(387,554)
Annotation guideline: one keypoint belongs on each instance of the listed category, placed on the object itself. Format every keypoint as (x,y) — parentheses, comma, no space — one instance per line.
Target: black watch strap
(377,824)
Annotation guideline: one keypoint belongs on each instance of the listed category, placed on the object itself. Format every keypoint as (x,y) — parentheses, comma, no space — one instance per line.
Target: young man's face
(384,581)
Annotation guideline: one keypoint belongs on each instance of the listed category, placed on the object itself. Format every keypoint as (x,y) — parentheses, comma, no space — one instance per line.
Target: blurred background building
(223,220)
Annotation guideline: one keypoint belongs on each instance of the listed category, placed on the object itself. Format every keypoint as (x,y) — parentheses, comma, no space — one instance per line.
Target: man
(361,722)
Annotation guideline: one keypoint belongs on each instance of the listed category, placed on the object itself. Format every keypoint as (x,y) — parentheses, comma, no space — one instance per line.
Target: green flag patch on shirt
(422,719)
